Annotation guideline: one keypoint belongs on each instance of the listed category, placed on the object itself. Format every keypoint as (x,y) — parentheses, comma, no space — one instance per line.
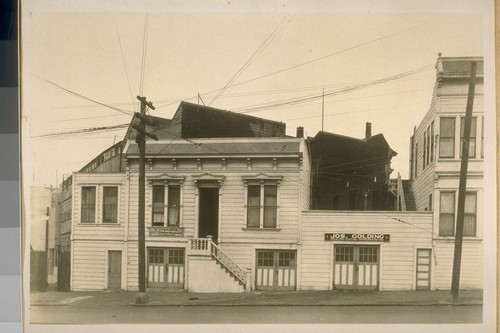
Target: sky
(83,66)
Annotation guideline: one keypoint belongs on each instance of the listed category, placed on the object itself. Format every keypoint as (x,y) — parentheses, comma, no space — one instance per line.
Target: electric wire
(311,61)
(124,66)
(256,53)
(89,99)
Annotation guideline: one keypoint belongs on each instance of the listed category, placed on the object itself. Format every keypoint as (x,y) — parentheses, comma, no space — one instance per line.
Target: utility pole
(457,257)
(142,297)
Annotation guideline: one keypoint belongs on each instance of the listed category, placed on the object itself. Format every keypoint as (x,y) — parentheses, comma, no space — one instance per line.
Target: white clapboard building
(228,209)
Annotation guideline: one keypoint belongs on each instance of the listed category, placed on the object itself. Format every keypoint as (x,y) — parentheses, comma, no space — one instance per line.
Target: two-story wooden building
(436,146)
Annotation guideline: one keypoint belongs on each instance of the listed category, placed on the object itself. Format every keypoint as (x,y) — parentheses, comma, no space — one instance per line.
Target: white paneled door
(356,267)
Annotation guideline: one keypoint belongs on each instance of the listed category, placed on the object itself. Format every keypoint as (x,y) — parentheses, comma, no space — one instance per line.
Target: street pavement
(258,298)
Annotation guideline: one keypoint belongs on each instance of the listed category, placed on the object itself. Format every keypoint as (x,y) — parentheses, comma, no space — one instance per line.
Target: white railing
(205,246)
(226,261)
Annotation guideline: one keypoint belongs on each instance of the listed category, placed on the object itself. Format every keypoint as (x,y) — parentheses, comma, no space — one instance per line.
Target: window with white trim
(166,205)
(447,137)
(88,204)
(447,214)
(110,204)
(472,141)
(262,205)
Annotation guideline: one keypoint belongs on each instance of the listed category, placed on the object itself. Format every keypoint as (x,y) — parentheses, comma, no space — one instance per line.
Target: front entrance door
(356,267)
(166,267)
(209,212)
(423,269)
(114,269)
(276,270)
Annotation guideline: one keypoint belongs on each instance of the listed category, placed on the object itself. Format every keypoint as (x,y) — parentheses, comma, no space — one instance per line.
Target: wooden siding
(471,271)
(397,263)
(89,264)
(99,230)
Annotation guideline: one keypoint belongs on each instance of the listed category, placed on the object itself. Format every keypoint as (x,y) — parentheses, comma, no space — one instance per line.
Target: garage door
(356,267)
(276,270)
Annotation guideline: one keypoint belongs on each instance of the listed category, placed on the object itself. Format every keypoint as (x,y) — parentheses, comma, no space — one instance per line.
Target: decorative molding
(207,176)
(165,178)
(150,163)
(262,177)
(275,163)
(198,163)
(174,164)
(224,164)
(249,164)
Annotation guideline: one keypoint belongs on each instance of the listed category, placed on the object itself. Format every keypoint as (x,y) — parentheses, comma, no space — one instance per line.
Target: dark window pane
(158,205)
(88,204)
(110,204)
(253,206)
(174,202)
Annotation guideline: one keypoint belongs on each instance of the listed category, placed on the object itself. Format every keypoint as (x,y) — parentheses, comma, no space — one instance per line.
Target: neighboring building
(435,169)
(41,243)
(350,173)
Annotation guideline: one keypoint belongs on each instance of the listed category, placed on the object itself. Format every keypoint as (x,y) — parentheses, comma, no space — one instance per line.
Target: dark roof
(219,148)
(377,140)
(198,121)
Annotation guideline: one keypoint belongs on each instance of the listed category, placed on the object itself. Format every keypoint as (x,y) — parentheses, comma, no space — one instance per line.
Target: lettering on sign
(357,237)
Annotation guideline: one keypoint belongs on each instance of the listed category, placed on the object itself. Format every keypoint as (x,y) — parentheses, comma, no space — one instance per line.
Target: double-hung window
(110,204)
(262,206)
(447,214)
(447,137)
(470,214)
(472,141)
(166,209)
(88,204)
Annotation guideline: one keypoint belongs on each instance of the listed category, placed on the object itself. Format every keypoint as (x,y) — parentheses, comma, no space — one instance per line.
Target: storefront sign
(166,231)
(358,237)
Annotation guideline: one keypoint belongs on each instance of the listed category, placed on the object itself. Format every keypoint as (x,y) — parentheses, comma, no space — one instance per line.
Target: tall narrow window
(430,202)
(416,160)
(447,138)
(110,204)
(432,142)
(470,214)
(447,214)
(428,146)
(174,203)
(158,205)
(270,205)
(253,206)
(424,151)
(472,141)
(482,137)
(88,204)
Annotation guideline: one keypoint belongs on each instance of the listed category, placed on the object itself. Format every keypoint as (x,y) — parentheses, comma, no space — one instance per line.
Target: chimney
(368,131)
(300,132)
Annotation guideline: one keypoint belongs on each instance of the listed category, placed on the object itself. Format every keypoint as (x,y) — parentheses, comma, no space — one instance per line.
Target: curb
(304,305)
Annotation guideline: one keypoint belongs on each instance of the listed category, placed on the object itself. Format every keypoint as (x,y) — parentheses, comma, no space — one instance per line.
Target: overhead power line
(89,99)
(257,52)
(308,62)
(307,98)
(82,131)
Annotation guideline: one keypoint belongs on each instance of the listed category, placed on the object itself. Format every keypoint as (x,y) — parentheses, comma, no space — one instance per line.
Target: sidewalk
(259,298)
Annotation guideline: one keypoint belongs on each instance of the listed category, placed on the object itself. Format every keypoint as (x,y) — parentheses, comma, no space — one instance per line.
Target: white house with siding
(435,169)
(222,215)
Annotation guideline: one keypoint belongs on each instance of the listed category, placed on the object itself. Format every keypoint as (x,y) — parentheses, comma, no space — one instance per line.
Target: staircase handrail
(230,264)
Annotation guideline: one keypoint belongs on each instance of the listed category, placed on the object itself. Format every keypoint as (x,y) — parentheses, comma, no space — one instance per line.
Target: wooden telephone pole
(142,297)
(457,257)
